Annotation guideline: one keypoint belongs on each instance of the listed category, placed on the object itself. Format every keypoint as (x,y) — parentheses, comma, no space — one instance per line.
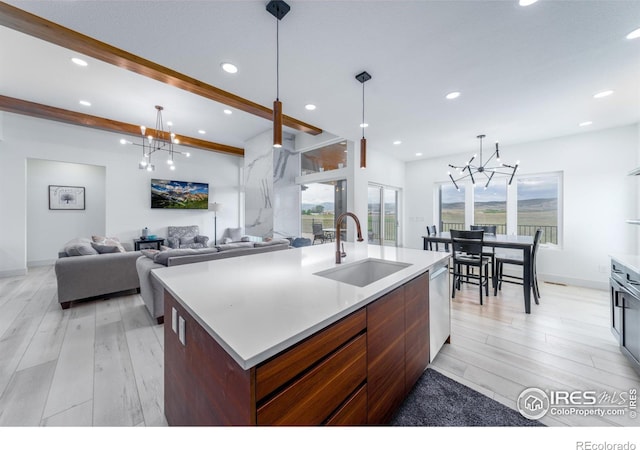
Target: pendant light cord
(277,59)
(363,111)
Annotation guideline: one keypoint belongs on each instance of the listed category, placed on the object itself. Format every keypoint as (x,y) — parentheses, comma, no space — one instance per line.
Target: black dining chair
(318,233)
(432,231)
(489,230)
(518,260)
(467,253)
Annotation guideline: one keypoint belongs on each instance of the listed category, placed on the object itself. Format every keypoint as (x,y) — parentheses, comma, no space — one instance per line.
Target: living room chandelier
(476,172)
(157,140)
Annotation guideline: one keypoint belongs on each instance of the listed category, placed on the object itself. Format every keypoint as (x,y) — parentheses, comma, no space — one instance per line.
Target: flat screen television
(173,194)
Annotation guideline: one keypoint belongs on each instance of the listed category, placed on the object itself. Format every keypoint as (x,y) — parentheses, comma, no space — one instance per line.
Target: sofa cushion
(163,257)
(233,245)
(272,242)
(79,247)
(102,248)
(235,234)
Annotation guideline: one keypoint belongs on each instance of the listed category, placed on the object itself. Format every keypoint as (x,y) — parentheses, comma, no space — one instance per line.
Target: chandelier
(481,171)
(155,141)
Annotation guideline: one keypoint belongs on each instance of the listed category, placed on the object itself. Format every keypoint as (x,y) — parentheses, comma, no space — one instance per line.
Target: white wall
(128,197)
(598,198)
(61,225)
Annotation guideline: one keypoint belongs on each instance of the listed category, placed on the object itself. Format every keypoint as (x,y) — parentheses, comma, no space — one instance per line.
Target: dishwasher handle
(437,273)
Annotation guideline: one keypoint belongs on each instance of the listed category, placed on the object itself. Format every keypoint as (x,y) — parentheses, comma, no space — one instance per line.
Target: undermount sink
(364,272)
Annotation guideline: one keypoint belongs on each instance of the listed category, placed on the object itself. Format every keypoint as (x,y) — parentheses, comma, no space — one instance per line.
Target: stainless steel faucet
(341,217)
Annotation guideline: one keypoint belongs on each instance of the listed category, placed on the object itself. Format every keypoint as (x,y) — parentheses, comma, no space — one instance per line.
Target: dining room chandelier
(481,171)
(157,140)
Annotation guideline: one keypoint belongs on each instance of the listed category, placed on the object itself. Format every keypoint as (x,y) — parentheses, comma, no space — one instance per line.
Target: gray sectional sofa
(83,272)
(152,291)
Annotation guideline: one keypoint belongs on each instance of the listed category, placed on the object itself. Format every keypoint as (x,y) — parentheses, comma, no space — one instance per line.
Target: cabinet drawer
(312,398)
(286,366)
(354,410)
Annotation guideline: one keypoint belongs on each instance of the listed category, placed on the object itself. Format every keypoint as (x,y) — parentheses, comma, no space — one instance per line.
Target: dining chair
(518,260)
(318,233)
(489,230)
(467,252)
(432,231)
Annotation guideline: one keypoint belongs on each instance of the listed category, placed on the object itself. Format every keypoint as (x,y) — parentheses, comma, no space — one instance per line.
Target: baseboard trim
(41,263)
(591,284)
(13,273)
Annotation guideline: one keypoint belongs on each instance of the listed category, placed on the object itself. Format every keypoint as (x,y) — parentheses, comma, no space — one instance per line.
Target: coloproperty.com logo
(534,403)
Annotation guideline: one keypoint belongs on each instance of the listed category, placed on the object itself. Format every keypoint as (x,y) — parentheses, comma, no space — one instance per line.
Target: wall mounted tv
(173,194)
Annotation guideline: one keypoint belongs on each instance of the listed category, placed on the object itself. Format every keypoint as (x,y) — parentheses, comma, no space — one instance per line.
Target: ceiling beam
(17,106)
(32,25)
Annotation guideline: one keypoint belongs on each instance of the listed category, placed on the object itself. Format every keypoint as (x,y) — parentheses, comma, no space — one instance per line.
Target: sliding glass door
(383,215)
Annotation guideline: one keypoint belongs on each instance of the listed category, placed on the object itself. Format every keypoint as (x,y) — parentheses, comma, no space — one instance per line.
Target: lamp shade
(215,206)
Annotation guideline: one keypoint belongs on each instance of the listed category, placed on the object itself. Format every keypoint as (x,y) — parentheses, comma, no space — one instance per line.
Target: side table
(141,244)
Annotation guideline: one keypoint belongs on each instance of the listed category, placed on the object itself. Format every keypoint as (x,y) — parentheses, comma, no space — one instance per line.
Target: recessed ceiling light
(202,132)
(85,103)
(634,34)
(584,124)
(418,154)
(228,111)
(527,2)
(229,68)
(364,125)
(80,62)
(397,142)
(343,143)
(169,124)
(309,107)
(603,94)
(452,95)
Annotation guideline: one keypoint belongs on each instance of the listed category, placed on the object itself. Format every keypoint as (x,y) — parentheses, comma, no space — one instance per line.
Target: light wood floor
(100,362)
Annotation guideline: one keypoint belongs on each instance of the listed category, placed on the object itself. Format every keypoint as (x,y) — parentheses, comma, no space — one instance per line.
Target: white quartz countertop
(255,306)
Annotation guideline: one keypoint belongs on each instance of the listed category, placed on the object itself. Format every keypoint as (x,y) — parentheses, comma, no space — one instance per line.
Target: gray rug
(438,401)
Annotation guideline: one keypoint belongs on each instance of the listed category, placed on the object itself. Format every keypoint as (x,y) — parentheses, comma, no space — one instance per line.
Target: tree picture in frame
(66,197)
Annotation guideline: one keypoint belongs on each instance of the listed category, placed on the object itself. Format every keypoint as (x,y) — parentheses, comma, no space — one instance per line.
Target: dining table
(507,241)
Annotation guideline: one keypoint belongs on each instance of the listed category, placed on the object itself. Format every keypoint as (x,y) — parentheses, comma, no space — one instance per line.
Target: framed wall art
(66,197)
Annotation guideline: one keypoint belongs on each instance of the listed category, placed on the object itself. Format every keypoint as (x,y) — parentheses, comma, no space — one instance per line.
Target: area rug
(438,401)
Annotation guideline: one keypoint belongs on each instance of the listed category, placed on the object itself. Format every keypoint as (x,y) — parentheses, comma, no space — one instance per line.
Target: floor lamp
(215,207)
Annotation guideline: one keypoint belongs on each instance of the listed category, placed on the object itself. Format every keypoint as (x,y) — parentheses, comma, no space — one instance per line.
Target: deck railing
(549,235)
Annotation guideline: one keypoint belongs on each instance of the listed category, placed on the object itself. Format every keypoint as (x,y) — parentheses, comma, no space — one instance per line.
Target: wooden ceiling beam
(38,27)
(17,106)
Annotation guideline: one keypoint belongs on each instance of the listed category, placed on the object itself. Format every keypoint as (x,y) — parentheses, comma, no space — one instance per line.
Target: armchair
(186,237)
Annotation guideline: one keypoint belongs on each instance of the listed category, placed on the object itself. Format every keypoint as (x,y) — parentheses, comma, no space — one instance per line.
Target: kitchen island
(264,339)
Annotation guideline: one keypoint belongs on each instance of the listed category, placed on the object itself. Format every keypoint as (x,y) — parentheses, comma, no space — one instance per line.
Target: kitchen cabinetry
(356,371)
(625,309)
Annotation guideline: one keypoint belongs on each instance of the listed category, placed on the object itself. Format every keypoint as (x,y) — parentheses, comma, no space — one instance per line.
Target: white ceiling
(525,74)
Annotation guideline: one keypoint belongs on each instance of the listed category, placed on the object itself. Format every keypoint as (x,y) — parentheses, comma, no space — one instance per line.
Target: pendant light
(278,9)
(362,78)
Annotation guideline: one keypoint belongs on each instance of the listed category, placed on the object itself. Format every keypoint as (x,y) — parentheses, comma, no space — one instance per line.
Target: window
(330,157)
(322,203)
(538,206)
(529,203)
(490,205)
(452,208)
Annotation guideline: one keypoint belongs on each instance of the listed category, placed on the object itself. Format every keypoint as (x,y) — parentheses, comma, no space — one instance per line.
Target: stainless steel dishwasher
(439,308)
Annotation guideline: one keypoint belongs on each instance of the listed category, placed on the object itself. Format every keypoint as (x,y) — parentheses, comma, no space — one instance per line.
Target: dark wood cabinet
(417,329)
(625,310)
(385,356)
(398,346)
(355,371)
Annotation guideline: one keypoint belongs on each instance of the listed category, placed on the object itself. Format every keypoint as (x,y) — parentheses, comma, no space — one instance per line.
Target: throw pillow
(80,249)
(149,252)
(100,248)
(235,234)
(186,241)
(110,241)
